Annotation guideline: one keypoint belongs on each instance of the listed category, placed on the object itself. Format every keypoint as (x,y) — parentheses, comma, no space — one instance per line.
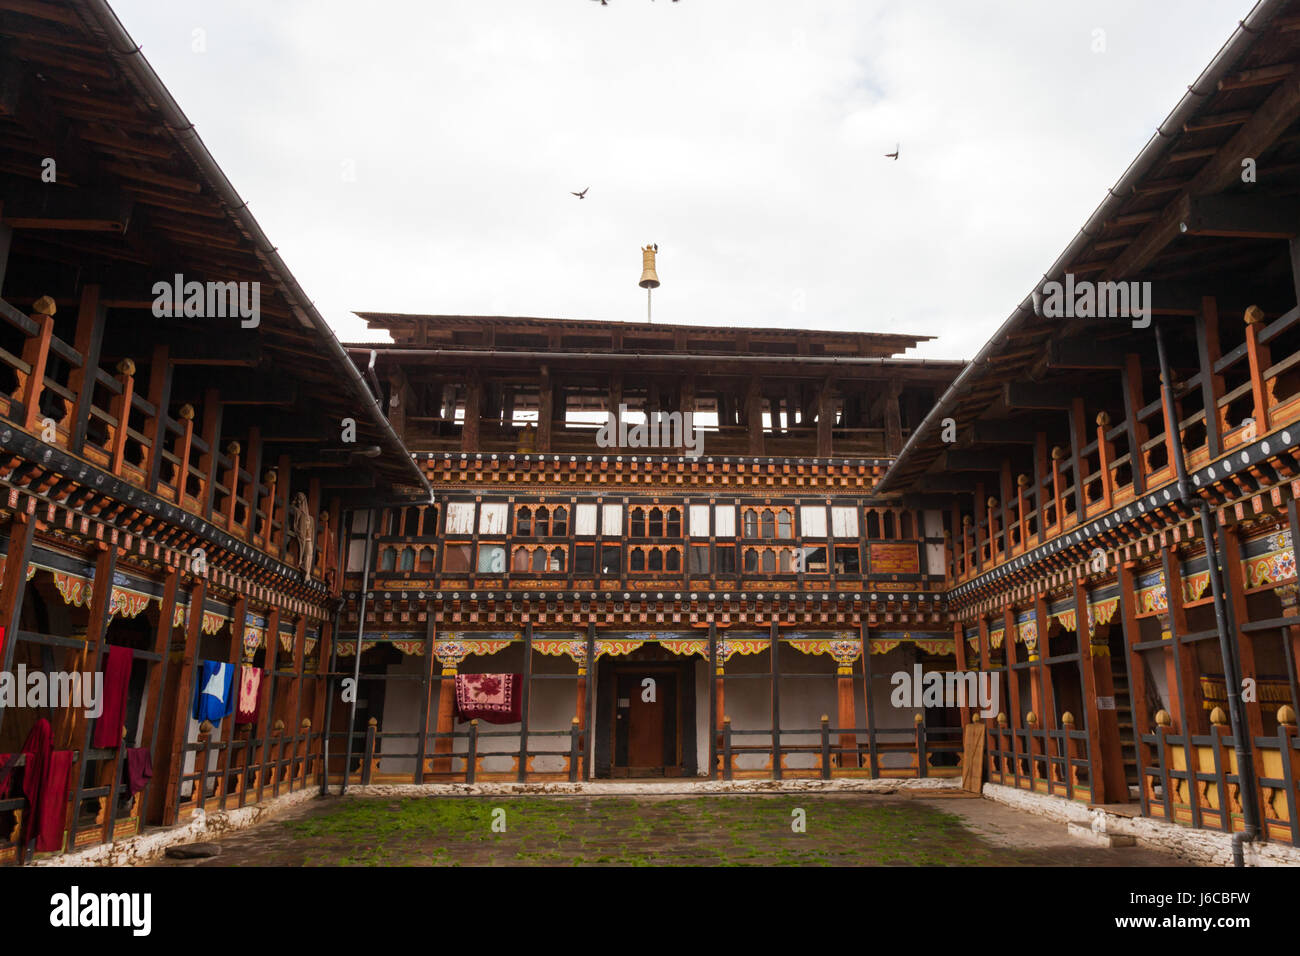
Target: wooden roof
(1157,225)
(149,201)
(504,333)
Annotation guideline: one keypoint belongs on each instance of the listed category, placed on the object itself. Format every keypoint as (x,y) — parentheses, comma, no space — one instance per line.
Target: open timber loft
(1101,513)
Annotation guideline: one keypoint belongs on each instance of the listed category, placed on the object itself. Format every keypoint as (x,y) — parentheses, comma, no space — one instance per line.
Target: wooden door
(646,736)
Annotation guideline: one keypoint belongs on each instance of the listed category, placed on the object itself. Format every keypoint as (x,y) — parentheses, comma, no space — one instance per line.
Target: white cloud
(746,137)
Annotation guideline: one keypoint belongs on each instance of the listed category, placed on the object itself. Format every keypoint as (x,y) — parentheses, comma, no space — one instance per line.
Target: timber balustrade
(1053,761)
(1207,793)
(123,425)
(227,774)
(1098,461)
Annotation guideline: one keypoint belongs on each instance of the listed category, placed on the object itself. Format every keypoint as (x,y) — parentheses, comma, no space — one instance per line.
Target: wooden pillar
(1208,353)
(36,353)
(266,719)
(211,437)
(545,411)
(825,419)
(469,436)
(893,419)
(170,770)
(1230,563)
(96,639)
(523,705)
(21,530)
(1106,767)
(847,716)
(120,409)
(1131,388)
(443,746)
(754,416)
(1137,680)
(1258,356)
(428,685)
(88,340)
(156,686)
(155,430)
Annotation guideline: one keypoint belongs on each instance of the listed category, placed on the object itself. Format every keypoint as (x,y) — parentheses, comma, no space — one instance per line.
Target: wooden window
(460,517)
(636,559)
(785,523)
(699,559)
(724,559)
(767,524)
(492,519)
(812,521)
(425,563)
(637,526)
(585,521)
(724,521)
(388,560)
(408,559)
(611,521)
(848,559)
(524,521)
(844,522)
(491,559)
(456,558)
(584,558)
(699,521)
(542,521)
(672,559)
(873,525)
(656,560)
(769,560)
(559,522)
(611,560)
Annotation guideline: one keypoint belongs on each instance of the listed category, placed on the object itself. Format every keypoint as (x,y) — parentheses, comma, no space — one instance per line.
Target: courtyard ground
(839,830)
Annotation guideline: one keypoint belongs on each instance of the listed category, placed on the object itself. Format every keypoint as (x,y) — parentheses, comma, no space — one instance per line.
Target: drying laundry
(250,694)
(139,769)
(52,806)
(117,679)
(491,697)
(214,697)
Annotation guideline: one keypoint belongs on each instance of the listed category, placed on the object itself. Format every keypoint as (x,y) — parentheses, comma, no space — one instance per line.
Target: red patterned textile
(491,697)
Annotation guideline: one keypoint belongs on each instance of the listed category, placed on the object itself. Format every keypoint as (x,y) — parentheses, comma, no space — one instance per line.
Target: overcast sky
(417,155)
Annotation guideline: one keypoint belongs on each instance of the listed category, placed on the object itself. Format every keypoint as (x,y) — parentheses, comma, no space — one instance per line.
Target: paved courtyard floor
(838,830)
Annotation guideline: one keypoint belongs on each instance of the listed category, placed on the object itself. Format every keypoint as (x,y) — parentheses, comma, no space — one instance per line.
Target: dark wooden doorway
(643,737)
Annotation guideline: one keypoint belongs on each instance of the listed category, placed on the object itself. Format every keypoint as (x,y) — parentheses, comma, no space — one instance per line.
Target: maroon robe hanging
(250,695)
(117,679)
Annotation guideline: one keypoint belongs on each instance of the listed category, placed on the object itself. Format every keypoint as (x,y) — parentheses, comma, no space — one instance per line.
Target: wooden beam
(1085,353)
(1003,430)
(1249,216)
(959,459)
(1027,395)
(31,205)
(1265,125)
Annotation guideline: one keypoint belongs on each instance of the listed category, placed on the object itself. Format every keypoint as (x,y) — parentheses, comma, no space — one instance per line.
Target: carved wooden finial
(1058,453)
(1002,719)
(1286,715)
(1218,717)
(1031,718)
(1067,719)
(917,719)
(992,502)
(825,718)
(1103,419)
(126,367)
(1022,480)
(44,306)
(1163,718)
(306,723)
(975,718)
(1254,315)
(186,414)
(206,727)
(233,449)
(270,477)
(372,722)
(278,726)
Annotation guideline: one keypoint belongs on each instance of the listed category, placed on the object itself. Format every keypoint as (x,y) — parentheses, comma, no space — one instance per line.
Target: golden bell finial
(649,280)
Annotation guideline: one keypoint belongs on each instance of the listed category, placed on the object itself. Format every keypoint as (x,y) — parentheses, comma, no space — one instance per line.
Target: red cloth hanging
(52,811)
(139,769)
(250,695)
(117,679)
(491,697)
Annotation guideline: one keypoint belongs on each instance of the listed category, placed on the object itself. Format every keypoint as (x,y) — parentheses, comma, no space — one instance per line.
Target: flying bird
(581,195)
(894,154)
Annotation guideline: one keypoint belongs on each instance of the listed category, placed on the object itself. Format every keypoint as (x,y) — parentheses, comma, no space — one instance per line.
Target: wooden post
(754,416)
(426,698)
(170,770)
(36,353)
(1131,388)
(1105,455)
(826,420)
(1106,766)
(21,530)
(157,683)
(88,340)
(1258,356)
(155,428)
(1208,354)
(847,714)
(121,410)
(211,437)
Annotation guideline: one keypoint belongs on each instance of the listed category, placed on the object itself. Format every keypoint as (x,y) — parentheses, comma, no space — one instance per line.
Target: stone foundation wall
(1203,847)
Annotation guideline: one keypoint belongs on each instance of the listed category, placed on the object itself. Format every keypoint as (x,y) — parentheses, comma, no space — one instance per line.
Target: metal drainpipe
(361,629)
(1227,638)
(340,562)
